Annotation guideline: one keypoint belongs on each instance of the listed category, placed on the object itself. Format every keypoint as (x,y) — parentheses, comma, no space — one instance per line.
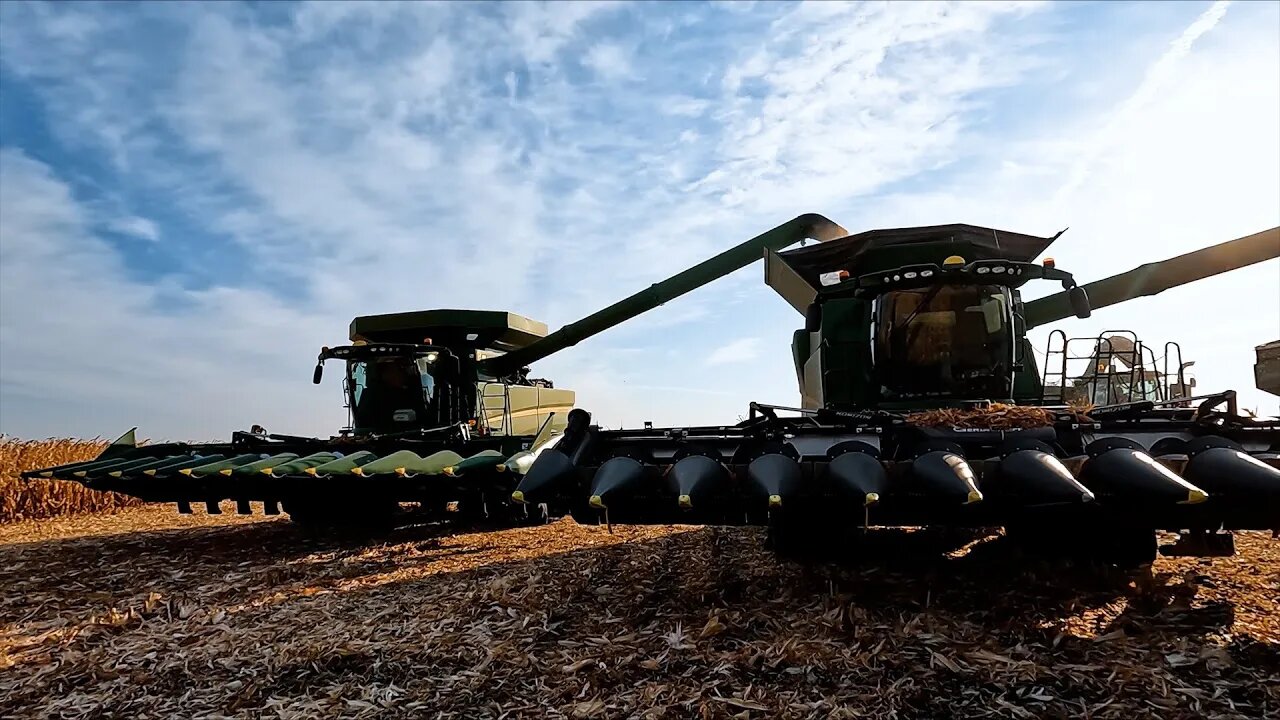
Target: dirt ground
(150,614)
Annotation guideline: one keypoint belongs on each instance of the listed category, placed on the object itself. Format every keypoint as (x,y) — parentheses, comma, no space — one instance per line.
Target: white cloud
(134,226)
(430,157)
(83,351)
(1158,78)
(739,351)
(609,60)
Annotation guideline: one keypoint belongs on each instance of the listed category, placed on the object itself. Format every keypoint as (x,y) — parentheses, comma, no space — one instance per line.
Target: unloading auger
(922,405)
(442,414)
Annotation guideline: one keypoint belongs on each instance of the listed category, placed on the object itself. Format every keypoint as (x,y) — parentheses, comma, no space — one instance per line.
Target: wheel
(802,537)
(343,515)
(1126,547)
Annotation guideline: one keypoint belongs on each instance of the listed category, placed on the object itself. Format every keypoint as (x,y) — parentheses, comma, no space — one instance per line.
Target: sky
(194,198)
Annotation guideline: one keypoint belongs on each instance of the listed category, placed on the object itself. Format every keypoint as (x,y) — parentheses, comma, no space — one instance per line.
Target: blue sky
(195,198)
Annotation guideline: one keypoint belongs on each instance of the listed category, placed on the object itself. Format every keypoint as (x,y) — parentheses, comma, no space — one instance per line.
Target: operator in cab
(394,395)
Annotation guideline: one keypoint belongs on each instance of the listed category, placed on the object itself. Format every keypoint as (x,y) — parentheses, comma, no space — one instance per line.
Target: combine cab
(427,424)
(921,404)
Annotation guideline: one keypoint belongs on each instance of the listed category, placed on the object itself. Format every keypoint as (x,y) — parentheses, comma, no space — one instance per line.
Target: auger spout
(808,226)
(1156,277)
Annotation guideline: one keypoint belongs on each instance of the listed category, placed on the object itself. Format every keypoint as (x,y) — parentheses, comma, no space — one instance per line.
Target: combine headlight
(998,269)
(984,270)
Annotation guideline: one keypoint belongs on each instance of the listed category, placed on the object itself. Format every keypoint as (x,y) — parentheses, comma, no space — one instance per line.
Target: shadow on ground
(565,620)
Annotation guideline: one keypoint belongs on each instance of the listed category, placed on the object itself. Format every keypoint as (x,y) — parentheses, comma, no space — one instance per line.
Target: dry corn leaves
(26,500)
(996,416)
(147,614)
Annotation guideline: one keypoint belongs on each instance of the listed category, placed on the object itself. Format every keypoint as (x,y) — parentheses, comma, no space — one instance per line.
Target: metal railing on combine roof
(1120,368)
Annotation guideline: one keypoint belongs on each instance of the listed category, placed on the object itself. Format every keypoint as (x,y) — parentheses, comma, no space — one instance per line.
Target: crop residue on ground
(148,614)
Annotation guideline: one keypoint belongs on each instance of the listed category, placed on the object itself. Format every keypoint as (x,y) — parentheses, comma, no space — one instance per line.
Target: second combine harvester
(922,405)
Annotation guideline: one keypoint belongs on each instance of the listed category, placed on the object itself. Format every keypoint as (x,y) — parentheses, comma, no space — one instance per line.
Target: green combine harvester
(428,422)
(443,415)
(921,404)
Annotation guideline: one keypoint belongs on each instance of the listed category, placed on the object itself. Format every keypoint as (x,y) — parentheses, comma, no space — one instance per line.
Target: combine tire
(343,515)
(805,538)
(1126,547)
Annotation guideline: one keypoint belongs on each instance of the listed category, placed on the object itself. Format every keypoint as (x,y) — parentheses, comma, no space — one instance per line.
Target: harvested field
(148,614)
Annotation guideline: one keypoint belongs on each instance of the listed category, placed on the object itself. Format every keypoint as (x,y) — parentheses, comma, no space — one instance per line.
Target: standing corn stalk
(36,499)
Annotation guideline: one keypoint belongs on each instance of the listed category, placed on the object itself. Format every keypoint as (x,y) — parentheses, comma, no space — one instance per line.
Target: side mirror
(813,318)
(1079,302)
(319,372)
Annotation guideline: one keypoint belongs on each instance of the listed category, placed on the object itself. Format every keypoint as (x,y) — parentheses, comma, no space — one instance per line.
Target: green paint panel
(118,470)
(294,467)
(69,468)
(175,464)
(520,462)
(410,463)
(213,468)
(105,465)
(343,464)
(264,464)
(480,461)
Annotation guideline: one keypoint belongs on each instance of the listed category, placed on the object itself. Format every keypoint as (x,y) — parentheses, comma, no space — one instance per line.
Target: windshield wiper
(901,330)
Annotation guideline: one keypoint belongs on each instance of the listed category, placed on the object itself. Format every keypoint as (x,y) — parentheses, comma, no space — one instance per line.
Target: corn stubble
(40,499)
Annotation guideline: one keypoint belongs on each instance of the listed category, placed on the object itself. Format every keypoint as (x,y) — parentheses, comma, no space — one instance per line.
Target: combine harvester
(442,413)
(922,405)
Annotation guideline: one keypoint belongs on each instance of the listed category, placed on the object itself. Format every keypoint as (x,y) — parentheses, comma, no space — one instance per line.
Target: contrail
(1158,76)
